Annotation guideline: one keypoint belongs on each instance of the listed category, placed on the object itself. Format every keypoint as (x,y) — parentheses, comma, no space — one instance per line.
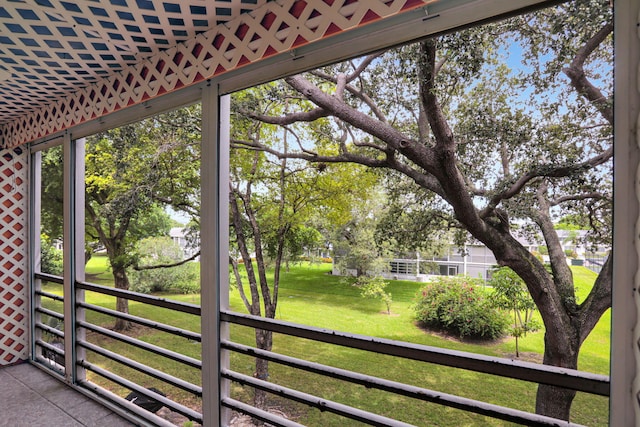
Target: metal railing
(173,356)
(47,338)
(532,372)
(506,368)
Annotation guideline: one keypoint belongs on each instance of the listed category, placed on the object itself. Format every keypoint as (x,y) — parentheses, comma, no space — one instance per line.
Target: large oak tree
(499,130)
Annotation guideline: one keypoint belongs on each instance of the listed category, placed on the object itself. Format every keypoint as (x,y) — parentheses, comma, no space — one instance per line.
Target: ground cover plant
(309,295)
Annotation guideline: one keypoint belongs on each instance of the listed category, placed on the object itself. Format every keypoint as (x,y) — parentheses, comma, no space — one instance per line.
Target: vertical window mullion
(78,253)
(36,252)
(214,251)
(73,243)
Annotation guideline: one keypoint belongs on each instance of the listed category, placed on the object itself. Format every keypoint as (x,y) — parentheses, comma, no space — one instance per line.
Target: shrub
(50,257)
(458,306)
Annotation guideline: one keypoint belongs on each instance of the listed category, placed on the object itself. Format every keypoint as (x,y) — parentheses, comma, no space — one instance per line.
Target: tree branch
(355,91)
(175,264)
(579,80)
(287,119)
(575,197)
(396,140)
(548,171)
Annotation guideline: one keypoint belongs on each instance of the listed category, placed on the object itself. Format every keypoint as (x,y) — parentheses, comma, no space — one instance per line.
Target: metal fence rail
(177,357)
(182,359)
(50,296)
(46,277)
(536,373)
(258,414)
(182,307)
(169,379)
(181,409)
(371,382)
(526,371)
(314,401)
(194,336)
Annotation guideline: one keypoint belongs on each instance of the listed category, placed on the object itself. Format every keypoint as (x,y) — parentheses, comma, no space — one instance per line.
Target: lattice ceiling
(50,48)
(63,63)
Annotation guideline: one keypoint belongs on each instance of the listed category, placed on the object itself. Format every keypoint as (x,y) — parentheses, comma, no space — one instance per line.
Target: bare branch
(175,264)
(287,119)
(363,65)
(236,273)
(575,197)
(396,140)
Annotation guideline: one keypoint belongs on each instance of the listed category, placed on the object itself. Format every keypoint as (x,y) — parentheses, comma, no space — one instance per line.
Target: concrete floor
(31,398)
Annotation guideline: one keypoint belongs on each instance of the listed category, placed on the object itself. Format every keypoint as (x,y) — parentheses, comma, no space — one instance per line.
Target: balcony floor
(30,397)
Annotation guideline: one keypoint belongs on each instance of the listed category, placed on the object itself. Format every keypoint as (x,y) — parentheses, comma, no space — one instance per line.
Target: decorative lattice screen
(276,27)
(14,289)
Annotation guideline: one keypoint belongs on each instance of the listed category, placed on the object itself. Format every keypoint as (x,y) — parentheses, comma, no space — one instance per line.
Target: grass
(311,296)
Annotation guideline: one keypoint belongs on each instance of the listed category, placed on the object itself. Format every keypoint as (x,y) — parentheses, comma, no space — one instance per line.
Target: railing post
(73,255)
(78,255)
(624,408)
(214,270)
(36,250)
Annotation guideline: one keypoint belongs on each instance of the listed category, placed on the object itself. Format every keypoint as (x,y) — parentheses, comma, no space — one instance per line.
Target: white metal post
(68,178)
(214,270)
(73,244)
(78,251)
(35,247)
(625,354)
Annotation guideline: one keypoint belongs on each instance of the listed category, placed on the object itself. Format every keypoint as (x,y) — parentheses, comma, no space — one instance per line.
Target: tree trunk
(264,341)
(561,349)
(122,304)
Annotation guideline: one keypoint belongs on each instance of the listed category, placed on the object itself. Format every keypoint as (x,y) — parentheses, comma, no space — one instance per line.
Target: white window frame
(435,18)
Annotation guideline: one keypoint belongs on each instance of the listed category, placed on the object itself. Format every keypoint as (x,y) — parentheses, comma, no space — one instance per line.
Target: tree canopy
(496,131)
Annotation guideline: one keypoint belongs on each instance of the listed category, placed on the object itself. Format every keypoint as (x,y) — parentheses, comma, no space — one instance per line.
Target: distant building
(476,260)
(179,236)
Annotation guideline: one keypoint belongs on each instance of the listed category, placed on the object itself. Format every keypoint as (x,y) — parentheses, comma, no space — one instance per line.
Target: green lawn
(311,296)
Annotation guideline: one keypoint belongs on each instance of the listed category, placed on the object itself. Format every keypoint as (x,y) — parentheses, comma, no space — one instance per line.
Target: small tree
(374,288)
(511,294)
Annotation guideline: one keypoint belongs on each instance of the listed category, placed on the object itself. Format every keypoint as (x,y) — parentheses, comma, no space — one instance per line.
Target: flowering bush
(458,306)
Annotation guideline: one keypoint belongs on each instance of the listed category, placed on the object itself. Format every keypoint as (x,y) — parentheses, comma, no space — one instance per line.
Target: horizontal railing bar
(50,347)
(49,329)
(174,406)
(50,295)
(44,363)
(50,313)
(314,401)
(449,400)
(177,382)
(49,278)
(145,322)
(527,371)
(143,345)
(265,416)
(136,296)
(117,401)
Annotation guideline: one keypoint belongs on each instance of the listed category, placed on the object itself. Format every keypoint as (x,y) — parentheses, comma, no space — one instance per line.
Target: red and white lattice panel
(14,290)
